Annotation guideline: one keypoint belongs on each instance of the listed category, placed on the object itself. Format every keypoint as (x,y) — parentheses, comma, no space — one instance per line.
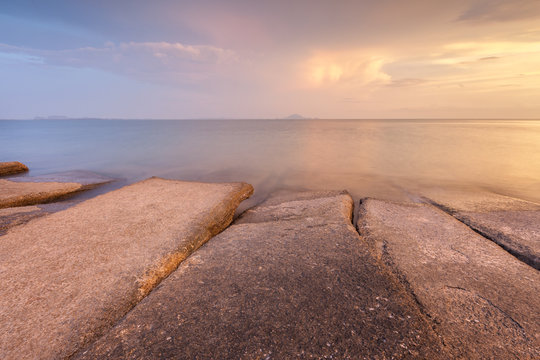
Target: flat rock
(16,216)
(31,190)
(12,167)
(299,206)
(69,276)
(290,279)
(482,300)
(512,223)
(476,200)
(10,217)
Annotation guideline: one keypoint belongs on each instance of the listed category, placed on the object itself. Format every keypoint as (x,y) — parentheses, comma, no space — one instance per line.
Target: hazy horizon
(67,118)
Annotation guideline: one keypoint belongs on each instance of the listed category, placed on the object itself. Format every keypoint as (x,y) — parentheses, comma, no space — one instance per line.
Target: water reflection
(368,158)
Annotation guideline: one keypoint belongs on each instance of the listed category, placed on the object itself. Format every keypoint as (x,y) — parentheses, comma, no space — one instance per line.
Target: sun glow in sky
(255,59)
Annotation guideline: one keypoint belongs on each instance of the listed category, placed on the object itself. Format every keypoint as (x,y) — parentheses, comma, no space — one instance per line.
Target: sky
(167,59)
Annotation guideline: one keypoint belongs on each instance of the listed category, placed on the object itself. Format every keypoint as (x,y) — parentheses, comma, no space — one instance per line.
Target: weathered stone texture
(482,300)
(512,223)
(69,276)
(15,216)
(290,279)
(12,167)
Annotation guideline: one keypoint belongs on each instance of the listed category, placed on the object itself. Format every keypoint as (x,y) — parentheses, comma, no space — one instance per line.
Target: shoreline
(458,232)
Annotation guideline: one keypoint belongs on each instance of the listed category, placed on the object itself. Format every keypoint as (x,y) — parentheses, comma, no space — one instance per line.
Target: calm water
(369,158)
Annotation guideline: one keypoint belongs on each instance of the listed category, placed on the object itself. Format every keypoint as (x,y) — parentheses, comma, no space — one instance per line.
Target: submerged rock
(31,190)
(512,223)
(87,179)
(290,279)
(12,167)
(482,300)
(69,276)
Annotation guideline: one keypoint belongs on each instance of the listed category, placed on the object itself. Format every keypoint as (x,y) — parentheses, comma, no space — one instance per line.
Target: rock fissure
(478,306)
(511,223)
(524,334)
(512,249)
(270,285)
(102,257)
(505,242)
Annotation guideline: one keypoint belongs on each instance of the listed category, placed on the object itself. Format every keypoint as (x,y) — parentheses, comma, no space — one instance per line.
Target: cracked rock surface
(483,301)
(69,276)
(512,223)
(290,279)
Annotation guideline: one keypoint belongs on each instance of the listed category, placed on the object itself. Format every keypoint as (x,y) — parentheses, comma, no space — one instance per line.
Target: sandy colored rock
(16,216)
(69,276)
(482,300)
(12,167)
(22,194)
(10,217)
(290,279)
(31,190)
(476,200)
(299,206)
(512,223)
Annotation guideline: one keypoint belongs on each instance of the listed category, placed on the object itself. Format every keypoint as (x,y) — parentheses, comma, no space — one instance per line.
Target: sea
(388,159)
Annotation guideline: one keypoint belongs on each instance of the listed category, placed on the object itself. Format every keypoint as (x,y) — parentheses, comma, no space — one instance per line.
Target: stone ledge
(12,167)
(69,276)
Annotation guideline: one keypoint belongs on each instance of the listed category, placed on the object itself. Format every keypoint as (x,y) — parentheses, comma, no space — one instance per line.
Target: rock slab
(290,279)
(11,217)
(15,216)
(12,167)
(69,276)
(31,190)
(482,300)
(512,223)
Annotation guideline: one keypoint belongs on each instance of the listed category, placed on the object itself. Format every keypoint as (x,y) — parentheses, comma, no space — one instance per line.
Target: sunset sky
(268,59)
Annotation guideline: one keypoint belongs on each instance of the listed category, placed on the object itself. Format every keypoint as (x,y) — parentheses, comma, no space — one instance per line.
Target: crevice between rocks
(389,266)
(530,262)
(490,303)
(156,275)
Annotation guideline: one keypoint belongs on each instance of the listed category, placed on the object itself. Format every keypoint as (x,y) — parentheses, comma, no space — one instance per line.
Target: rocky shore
(158,269)
(12,167)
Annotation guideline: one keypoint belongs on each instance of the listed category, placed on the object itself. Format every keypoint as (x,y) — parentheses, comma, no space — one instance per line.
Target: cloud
(407,82)
(487,58)
(501,10)
(461,54)
(15,57)
(155,60)
(347,67)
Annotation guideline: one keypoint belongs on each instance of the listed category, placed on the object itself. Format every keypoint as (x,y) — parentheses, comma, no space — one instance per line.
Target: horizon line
(38,118)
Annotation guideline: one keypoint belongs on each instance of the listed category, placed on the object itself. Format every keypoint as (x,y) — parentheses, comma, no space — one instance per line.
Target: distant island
(52,117)
(297,117)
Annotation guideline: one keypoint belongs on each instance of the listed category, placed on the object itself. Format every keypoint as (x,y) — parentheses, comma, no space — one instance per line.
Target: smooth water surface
(376,158)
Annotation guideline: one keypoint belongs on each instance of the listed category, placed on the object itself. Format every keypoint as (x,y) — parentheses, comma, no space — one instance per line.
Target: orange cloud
(345,67)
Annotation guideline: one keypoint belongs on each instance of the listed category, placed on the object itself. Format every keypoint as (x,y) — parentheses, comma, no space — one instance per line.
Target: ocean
(370,158)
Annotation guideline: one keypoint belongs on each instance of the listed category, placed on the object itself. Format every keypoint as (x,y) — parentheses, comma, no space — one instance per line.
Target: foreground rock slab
(290,279)
(12,167)
(31,190)
(482,300)
(512,223)
(69,276)
(16,216)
